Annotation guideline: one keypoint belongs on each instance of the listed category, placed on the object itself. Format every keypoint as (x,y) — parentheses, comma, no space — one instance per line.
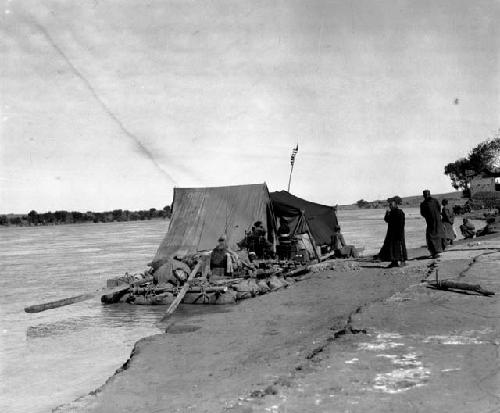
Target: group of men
(223,259)
(439,233)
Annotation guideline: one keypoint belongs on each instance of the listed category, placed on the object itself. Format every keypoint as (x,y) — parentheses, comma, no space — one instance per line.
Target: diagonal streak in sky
(142,148)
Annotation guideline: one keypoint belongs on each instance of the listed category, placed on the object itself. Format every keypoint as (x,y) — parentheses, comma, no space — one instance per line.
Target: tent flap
(321,219)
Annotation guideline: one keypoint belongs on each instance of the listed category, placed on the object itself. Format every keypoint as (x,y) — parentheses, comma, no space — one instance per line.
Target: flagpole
(292,162)
(290,178)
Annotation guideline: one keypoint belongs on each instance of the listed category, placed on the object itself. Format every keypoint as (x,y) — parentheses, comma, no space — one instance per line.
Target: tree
(33,217)
(458,173)
(61,216)
(168,211)
(16,220)
(486,155)
(117,214)
(483,157)
(77,216)
(362,203)
(48,218)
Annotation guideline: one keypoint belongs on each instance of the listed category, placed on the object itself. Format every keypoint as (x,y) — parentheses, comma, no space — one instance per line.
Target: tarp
(201,215)
(321,219)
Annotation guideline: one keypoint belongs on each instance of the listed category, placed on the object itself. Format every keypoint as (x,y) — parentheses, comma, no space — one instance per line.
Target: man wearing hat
(394,248)
(435,236)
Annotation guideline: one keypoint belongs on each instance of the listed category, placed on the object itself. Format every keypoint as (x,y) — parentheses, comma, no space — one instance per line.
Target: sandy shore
(370,339)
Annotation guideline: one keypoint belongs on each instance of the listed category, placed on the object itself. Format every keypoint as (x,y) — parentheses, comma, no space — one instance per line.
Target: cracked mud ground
(373,340)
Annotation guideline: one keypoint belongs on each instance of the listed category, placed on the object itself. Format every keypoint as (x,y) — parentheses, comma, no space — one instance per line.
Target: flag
(294,153)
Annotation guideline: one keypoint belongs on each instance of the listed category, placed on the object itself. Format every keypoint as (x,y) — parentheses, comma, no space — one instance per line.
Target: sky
(110,104)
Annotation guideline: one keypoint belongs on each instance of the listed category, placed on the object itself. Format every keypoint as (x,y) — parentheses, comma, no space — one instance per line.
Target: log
(226,282)
(37,308)
(157,290)
(298,271)
(447,284)
(114,296)
(211,289)
(181,293)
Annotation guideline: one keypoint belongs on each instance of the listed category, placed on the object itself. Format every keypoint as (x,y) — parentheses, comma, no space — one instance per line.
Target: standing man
(394,248)
(448,219)
(431,211)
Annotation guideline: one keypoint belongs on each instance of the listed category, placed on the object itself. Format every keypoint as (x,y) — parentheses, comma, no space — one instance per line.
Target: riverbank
(325,344)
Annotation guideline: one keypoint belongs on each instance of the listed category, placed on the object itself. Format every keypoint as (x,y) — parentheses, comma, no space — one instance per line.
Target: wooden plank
(181,293)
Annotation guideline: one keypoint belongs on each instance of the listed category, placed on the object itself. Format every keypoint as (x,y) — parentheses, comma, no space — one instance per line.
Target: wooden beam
(181,293)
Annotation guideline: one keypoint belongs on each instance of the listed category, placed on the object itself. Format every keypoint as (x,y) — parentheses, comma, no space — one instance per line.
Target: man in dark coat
(435,236)
(394,248)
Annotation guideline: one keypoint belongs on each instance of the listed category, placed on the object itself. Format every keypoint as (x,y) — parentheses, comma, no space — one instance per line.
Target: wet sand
(374,339)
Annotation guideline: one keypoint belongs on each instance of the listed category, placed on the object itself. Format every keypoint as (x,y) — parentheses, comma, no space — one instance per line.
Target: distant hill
(455,197)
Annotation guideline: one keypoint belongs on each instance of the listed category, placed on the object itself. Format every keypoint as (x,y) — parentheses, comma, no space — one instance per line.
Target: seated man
(220,260)
(468,229)
(339,246)
(257,242)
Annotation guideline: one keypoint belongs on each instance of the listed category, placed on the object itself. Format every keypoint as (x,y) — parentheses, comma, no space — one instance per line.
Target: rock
(275,283)
(200,298)
(141,300)
(125,298)
(263,287)
(284,281)
(270,390)
(249,286)
(243,295)
(193,298)
(163,299)
(228,297)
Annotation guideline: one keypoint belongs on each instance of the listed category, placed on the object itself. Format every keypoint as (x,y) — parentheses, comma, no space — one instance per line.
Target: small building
(485,182)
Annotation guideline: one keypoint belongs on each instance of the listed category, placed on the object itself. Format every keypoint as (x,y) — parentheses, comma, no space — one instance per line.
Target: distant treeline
(457,197)
(34,218)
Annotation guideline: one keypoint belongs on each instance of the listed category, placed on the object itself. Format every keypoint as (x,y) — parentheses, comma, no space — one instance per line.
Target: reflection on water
(59,327)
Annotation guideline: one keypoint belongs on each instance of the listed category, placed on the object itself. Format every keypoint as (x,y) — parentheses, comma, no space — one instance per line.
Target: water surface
(55,356)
